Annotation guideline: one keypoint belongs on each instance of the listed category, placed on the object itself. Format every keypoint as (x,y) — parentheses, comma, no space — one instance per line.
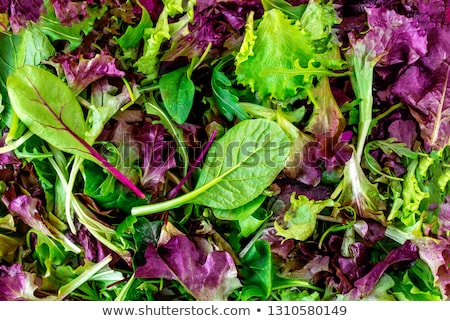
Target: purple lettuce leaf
(218,23)
(208,276)
(428,96)
(15,284)
(80,71)
(27,208)
(444,217)
(157,151)
(21,11)
(436,254)
(70,12)
(392,38)
(407,252)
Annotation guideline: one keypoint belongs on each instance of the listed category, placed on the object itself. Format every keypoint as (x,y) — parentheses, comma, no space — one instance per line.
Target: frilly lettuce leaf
(307,46)
(300,218)
(279,42)
(16,284)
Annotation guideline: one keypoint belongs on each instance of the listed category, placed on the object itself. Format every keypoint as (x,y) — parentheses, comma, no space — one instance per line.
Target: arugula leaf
(133,35)
(46,105)
(177,93)
(227,102)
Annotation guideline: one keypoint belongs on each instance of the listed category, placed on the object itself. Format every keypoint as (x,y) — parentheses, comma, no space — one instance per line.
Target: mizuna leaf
(46,105)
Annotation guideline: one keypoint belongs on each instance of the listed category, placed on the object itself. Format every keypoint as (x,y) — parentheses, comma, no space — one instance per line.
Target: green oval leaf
(242,163)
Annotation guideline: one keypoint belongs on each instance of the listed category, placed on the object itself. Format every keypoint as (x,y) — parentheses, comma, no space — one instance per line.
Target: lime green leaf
(279,43)
(300,218)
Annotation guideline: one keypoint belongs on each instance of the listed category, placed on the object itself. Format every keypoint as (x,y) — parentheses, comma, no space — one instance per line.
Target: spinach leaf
(239,166)
(47,106)
(177,92)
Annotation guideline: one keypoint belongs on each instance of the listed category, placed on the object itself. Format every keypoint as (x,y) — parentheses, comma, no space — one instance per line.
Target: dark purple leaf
(157,151)
(407,252)
(27,208)
(21,11)
(208,276)
(81,72)
(218,23)
(428,96)
(404,130)
(15,284)
(70,12)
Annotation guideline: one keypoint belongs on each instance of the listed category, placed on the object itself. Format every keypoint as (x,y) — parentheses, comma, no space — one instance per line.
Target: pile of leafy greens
(224,150)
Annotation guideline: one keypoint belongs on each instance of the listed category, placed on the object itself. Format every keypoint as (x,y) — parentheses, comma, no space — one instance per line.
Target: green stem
(65,290)
(16,143)
(69,187)
(387,112)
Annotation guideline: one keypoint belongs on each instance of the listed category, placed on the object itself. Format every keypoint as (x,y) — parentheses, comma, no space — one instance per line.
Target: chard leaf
(177,93)
(241,164)
(238,167)
(47,106)
(241,212)
(29,47)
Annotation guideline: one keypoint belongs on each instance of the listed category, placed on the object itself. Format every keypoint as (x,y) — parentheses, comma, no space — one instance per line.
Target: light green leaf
(300,218)
(279,43)
(153,37)
(242,163)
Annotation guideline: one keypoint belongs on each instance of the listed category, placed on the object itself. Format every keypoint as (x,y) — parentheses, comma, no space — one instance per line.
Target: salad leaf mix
(224,150)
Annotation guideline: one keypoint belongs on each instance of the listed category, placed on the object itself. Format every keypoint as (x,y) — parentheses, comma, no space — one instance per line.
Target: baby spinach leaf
(239,166)
(47,106)
(177,92)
